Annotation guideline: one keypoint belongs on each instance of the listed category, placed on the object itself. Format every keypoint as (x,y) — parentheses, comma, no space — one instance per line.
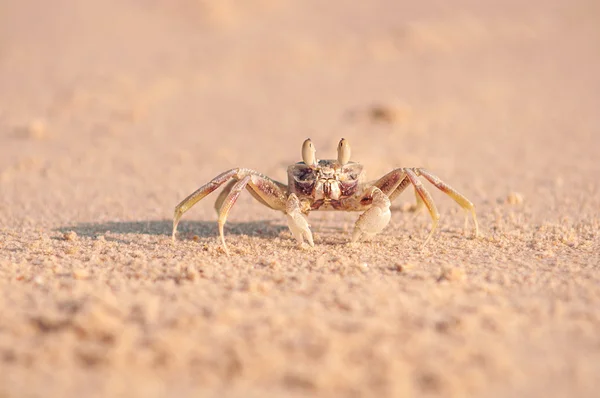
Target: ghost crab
(335,184)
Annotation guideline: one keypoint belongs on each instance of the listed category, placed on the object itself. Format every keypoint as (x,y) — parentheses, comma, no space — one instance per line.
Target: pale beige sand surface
(111,112)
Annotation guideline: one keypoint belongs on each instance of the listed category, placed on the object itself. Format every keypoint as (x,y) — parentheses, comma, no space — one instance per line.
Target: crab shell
(326,184)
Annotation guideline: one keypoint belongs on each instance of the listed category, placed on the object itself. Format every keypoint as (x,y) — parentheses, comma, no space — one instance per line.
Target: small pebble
(514,198)
(70,236)
(389,114)
(364,267)
(191,274)
(404,267)
(81,274)
(35,130)
(451,274)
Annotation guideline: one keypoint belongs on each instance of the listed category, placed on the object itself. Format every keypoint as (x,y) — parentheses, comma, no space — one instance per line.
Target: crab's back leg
(262,188)
(454,194)
(228,202)
(199,194)
(395,180)
(223,194)
(400,188)
(394,183)
(273,194)
(269,191)
(427,200)
(266,191)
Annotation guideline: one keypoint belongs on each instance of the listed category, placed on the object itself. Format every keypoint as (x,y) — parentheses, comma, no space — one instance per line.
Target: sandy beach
(112,112)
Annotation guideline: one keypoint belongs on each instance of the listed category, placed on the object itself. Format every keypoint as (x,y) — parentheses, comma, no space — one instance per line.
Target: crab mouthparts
(327,189)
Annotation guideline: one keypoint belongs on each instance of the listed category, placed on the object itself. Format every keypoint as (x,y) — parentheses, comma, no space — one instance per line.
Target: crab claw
(297,222)
(375,219)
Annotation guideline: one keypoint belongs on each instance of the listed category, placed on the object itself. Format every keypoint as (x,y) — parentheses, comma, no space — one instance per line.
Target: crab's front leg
(376,218)
(296,221)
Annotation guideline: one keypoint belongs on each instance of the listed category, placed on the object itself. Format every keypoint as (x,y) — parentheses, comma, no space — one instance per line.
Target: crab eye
(309,153)
(343,152)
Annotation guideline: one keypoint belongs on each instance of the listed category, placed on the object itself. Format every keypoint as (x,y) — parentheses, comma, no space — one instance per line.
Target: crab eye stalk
(343,152)
(309,156)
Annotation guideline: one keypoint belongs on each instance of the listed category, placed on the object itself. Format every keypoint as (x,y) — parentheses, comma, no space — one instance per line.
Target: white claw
(300,228)
(374,220)
(309,153)
(343,152)
(297,222)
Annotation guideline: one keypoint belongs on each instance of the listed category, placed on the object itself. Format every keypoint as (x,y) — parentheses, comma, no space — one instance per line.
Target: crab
(332,184)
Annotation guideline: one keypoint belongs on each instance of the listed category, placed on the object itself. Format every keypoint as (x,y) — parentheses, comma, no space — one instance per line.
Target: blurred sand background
(113,111)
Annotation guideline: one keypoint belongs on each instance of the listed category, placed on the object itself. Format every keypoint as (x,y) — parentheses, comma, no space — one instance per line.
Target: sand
(111,112)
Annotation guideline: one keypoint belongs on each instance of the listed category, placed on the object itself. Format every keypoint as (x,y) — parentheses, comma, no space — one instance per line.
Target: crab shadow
(185,230)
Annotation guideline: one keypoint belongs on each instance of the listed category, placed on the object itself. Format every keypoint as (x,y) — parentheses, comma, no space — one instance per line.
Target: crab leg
(223,194)
(400,188)
(229,201)
(454,194)
(270,192)
(391,182)
(199,194)
(262,189)
(394,183)
(427,200)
